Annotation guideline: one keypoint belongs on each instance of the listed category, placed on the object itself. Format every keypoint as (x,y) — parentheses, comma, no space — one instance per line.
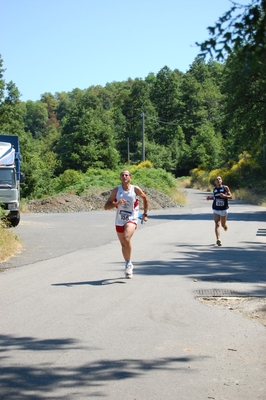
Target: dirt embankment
(67,202)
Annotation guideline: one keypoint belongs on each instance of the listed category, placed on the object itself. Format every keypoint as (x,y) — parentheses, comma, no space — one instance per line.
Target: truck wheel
(14,218)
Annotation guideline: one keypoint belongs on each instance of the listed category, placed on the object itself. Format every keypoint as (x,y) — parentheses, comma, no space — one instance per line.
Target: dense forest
(209,117)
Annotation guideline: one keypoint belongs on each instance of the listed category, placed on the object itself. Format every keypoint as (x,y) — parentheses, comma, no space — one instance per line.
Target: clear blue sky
(58,45)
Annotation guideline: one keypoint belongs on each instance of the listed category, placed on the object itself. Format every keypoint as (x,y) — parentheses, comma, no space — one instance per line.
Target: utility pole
(128,155)
(143,137)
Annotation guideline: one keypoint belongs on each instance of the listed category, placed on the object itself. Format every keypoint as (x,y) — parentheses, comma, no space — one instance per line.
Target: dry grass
(179,197)
(9,244)
(184,182)
(248,196)
(24,208)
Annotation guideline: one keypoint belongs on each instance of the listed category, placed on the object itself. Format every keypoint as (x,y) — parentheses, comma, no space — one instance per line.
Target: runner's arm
(141,194)
(111,202)
(227,193)
(210,197)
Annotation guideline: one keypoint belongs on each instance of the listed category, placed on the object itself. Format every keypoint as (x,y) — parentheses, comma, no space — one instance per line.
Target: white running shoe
(129,270)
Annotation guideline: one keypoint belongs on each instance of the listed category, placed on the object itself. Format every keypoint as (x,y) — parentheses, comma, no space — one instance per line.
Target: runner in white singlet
(125,198)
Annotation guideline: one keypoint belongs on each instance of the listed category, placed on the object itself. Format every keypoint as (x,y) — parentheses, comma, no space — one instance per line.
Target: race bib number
(219,202)
(124,215)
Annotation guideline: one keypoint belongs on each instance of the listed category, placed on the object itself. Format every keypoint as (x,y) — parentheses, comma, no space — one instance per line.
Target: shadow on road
(100,282)
(248,216)
(223,264)
(27,382)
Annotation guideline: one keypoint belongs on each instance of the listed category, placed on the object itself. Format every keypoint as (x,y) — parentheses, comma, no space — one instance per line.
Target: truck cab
(10,177)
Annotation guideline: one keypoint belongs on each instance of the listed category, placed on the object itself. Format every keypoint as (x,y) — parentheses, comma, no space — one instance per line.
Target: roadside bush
(155,179)
(143,164)
(241,174)
(69,178)
(248,169)
(199,178)
(229,176)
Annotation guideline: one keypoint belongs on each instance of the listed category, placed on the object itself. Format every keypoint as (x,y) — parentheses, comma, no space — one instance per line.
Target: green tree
(202,99)
(11,111)
(242,26)
(160,156)
(51,102)
(166,97)
(206,147)
(89,144)
(245,105)
(36,118)
(137,103)
(241,34)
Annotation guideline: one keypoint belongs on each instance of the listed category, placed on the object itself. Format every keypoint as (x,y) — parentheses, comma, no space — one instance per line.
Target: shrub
(199,178)
(145,164)
(69,178)
(229,177)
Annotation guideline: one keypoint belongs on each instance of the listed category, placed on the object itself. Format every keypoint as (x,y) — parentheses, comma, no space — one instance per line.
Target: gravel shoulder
(253,308)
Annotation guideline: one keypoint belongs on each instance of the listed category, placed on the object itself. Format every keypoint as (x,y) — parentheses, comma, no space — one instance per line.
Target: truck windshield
(7,177)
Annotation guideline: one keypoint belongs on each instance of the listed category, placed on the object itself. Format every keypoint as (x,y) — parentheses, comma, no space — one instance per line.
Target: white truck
(10,177)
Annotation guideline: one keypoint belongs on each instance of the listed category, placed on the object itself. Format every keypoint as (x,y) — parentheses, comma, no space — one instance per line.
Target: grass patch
(250,197)
(179,197)
(9,244)
(184,182)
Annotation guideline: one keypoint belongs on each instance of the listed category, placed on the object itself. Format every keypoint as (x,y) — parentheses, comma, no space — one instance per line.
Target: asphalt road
(71,326)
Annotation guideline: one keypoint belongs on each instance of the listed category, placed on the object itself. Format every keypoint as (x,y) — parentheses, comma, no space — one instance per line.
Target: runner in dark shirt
(221,194)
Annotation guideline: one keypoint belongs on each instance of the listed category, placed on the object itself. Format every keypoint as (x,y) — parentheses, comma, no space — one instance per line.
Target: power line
(178,124)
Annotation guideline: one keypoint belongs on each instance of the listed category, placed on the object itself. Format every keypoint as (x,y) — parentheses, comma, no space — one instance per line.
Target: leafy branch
(243,26)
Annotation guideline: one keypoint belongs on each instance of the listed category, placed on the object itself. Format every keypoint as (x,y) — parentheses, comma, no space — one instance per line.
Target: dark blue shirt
(219,203)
